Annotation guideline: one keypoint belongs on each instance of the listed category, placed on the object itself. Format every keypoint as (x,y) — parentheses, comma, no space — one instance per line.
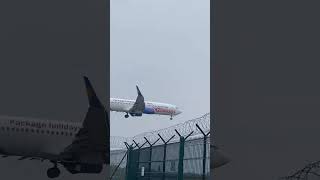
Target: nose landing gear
(54,171)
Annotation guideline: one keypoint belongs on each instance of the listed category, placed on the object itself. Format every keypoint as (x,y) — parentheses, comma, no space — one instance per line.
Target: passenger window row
(38,131)
(123,102)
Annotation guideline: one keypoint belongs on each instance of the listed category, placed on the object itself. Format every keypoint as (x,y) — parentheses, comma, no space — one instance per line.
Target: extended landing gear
(54,171)
(126,116)
(171,117)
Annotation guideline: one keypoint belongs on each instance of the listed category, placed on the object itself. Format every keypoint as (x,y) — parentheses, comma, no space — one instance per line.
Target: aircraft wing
(139,106)
(91,143)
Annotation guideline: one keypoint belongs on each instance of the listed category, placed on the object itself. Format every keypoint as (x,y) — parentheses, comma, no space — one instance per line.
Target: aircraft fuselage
(32,137)
(124,105)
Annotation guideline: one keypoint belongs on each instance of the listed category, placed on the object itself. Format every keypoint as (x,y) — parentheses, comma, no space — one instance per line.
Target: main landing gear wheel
(126,116)
(171,118)
(53,172)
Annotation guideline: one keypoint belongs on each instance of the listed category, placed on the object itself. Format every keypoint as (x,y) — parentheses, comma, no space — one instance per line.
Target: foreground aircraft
(139,107)
(78,147)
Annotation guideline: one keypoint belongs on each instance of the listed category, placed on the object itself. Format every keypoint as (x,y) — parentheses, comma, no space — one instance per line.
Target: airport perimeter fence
(118,163)
(182,156)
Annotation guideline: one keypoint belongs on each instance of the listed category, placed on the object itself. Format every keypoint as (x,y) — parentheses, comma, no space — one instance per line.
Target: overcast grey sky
(162,46)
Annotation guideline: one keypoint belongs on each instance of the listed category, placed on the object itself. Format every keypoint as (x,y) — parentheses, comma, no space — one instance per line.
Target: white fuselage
(32,137)
(124,105)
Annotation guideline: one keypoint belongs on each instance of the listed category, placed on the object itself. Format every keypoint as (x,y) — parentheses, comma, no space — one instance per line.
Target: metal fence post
(127,165)
(205,136)
(150,158)
(164,162)
(181,157)
(150,154)
(130,172)
(150,162)
(181,154)
(136,169)
(164,155)
(204,157)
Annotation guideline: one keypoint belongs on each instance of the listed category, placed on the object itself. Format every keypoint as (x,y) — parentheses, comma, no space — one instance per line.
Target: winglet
(138,90)
(92,97)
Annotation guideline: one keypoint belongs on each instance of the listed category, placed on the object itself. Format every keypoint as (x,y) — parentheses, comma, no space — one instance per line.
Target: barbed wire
(305,173)
(185,128)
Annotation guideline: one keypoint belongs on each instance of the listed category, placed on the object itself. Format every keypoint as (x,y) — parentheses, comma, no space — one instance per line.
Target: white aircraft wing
(139,105)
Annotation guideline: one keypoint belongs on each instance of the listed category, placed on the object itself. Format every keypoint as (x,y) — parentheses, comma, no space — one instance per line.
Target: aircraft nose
(178,111)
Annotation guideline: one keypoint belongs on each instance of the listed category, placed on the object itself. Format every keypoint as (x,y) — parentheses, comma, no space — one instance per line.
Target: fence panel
(179,152)
(118,167)
(161,162)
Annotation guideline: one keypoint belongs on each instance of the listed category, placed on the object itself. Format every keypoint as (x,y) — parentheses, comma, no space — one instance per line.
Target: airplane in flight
(139,107)
(78,147)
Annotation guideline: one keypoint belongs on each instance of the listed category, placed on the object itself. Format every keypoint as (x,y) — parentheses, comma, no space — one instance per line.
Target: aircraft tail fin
(138,90)
(92,97)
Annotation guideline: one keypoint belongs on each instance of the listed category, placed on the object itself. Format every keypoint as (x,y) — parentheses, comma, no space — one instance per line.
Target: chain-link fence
(180,152)
(118,163)
(195,163)
(186,159)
